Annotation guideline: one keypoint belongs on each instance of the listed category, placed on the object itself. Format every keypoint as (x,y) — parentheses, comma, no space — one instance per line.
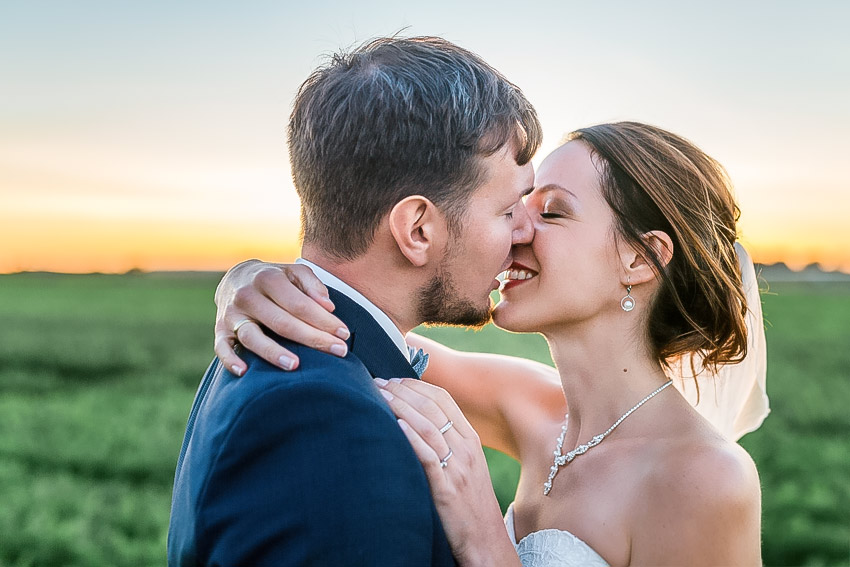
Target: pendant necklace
(561,460)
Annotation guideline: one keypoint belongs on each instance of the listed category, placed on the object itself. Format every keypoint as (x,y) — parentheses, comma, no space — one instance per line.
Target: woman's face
(573,264)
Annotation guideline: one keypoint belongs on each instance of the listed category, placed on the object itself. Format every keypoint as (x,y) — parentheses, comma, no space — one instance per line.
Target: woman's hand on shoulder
(450,452)
(704,508)
(288,299)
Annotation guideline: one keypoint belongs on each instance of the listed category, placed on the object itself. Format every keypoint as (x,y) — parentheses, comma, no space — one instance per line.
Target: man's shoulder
(316,370)
(270,406)
(325,380)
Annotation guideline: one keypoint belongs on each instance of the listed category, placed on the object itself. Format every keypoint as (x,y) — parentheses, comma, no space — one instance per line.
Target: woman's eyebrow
(555,187)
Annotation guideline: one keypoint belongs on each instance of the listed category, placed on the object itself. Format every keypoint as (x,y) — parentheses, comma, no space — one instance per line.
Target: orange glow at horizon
(116,246)
(82,245)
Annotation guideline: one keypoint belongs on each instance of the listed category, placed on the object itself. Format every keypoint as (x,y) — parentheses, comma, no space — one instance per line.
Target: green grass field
(97,374)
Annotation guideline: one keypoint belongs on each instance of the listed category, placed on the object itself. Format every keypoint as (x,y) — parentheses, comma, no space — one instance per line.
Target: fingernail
(386,395)
(396,380)
(403,424)
(343,333)
(380,382)
(237,370)
(339,350)
(286,362)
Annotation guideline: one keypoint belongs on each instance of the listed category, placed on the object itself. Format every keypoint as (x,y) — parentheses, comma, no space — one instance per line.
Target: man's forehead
(528,176)
(524,181)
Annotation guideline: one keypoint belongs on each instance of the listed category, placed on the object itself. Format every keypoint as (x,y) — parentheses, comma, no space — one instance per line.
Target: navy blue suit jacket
(306,467)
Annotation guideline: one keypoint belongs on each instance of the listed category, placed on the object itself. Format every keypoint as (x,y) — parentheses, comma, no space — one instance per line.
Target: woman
(632,272)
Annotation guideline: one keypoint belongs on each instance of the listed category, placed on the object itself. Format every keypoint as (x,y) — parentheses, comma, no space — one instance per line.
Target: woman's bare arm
(501,396)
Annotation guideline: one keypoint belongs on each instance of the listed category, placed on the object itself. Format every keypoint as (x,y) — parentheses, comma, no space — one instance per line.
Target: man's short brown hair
(393,118)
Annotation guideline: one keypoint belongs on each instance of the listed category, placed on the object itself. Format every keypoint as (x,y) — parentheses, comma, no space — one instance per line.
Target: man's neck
(390,296)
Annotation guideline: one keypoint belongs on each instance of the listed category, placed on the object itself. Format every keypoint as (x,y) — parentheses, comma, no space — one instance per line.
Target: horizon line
(141,271)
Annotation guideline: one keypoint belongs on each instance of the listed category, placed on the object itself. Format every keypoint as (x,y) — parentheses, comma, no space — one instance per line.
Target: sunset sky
(152,134)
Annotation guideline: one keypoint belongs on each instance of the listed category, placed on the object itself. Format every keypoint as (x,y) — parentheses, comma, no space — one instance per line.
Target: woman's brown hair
(656,180)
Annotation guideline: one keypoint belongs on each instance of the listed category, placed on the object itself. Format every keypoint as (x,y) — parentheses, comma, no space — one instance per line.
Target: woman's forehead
(570,167)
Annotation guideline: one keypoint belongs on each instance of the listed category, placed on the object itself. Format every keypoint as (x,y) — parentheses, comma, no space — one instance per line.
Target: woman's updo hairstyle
(655,180)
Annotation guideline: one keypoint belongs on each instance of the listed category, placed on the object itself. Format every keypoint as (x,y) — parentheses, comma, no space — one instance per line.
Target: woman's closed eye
(554,208)
(556,213)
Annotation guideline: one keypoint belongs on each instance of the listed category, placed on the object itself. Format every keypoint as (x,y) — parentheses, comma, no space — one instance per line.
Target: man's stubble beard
(441,304)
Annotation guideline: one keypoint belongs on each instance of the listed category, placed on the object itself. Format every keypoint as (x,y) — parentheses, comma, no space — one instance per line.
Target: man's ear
(419,229)
(636,268)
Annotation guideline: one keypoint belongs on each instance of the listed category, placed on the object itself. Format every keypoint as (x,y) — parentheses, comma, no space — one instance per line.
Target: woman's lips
(516,275)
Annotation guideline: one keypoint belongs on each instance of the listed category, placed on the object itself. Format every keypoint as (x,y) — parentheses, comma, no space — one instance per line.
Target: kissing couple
(326,433)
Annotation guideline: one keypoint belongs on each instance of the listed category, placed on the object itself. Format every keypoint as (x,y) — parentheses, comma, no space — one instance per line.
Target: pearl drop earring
(628,302)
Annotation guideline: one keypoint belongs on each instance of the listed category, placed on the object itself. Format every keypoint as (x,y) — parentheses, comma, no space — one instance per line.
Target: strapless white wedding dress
(552,548)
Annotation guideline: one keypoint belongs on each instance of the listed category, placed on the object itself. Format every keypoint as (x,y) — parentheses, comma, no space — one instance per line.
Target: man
(411,158)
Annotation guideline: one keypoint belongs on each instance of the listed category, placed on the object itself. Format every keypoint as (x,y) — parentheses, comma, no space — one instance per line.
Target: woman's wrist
(491,549)
(499,552)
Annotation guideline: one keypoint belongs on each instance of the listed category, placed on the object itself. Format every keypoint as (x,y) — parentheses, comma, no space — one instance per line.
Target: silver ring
(444,462)
(446,427)
(238,325)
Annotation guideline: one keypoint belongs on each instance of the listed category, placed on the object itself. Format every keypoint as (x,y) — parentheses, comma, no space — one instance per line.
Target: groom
(411,158)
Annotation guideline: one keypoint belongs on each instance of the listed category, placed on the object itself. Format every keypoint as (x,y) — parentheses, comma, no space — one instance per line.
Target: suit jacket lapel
(369,342)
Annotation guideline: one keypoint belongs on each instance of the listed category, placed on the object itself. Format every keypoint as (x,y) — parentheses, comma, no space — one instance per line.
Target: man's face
(495,220)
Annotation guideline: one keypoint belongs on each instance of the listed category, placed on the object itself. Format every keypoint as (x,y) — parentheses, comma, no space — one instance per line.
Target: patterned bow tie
(418,360)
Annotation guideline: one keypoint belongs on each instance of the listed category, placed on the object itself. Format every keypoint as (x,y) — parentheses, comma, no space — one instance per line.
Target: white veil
(735,399)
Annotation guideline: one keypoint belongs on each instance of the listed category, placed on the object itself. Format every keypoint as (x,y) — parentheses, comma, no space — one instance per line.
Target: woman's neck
(603,374)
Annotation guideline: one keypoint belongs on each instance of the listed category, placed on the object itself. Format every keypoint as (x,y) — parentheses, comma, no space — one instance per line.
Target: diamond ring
(444,462)
(446,427)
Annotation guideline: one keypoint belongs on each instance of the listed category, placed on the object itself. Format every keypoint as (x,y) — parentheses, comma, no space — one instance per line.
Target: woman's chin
(512,318)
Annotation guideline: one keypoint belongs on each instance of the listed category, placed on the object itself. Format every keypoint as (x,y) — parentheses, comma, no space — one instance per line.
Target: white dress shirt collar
(380,317)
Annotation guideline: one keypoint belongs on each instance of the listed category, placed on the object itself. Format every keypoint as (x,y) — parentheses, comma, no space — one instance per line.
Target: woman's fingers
(256,341)
(252,337)
(288,299)
(286,290)
(420,422)
(427,456)
(223,345)
(433,402)
(304,279)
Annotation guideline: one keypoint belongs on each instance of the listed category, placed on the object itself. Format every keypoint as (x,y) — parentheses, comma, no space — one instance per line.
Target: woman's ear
(638,269)
(419,229)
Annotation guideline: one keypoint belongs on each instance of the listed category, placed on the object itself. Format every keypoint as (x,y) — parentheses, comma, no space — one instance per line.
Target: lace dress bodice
(552,548)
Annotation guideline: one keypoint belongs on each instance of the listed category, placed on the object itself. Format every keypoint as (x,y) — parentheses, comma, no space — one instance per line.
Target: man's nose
(523,228)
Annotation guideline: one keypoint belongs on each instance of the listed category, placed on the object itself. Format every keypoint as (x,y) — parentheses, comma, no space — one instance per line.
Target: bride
(632,277)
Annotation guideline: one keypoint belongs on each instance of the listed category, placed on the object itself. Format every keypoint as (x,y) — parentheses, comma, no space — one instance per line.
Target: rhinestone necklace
(561,460)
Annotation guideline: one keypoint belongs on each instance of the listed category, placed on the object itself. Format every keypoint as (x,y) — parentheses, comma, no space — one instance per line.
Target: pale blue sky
(162,112)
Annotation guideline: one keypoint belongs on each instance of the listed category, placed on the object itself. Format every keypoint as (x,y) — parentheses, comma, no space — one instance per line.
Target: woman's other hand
(450,452)
(288,299)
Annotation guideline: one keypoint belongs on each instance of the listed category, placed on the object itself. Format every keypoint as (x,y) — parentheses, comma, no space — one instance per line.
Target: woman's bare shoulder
(703,493)
(697,461)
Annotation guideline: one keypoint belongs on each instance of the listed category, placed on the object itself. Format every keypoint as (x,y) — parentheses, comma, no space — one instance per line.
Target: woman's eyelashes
(555,210)
(548,205)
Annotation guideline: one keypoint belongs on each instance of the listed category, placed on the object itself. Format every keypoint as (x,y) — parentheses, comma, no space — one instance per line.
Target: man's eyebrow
(555,187)
(523,194)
